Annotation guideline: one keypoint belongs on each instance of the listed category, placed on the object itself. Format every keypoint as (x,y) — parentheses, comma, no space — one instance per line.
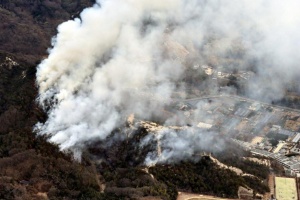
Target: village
(263,129)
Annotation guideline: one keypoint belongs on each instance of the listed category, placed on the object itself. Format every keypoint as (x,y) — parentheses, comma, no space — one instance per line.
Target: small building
(286,132)
(279,146)
(296,149)
(296,138)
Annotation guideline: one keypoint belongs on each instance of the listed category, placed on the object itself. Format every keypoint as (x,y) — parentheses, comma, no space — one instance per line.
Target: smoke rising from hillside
(175,146)
(129,56)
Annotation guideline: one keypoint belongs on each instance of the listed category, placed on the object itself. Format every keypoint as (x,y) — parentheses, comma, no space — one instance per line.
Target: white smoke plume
(129,56)
(175,146)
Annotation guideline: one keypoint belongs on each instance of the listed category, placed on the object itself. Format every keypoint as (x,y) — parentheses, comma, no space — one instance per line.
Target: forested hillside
(27,26)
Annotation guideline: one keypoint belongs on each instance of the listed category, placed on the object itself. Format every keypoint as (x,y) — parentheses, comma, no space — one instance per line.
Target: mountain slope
(28,25)
(30,167)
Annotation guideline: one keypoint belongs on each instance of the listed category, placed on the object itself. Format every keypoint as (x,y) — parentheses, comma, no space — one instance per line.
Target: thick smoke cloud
(129,56)
(174,146)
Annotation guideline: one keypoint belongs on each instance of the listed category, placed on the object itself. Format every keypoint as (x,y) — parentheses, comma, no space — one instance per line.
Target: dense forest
(206,178)
(122,168)
(27,26)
